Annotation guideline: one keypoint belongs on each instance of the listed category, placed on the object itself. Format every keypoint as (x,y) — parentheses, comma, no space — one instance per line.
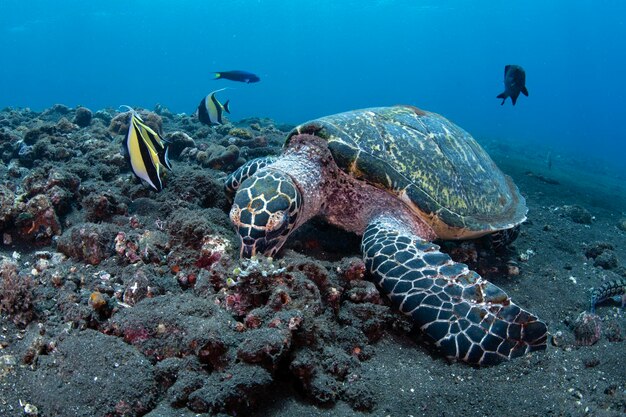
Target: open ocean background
(321,57)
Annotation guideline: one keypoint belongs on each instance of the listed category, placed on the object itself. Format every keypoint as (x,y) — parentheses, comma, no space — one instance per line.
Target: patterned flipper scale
(467,317)
(247,170)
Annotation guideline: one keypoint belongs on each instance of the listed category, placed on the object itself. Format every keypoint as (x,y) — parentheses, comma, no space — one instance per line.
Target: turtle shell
(431,164)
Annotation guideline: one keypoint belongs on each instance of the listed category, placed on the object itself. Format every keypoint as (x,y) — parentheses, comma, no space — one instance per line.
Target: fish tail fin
(226,109)
(503,96)
(524,91)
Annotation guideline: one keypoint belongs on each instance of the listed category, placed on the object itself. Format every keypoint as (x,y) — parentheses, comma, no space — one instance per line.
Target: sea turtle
(401,177)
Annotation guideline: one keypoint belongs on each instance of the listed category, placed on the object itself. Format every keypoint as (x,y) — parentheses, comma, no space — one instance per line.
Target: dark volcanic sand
(118,301)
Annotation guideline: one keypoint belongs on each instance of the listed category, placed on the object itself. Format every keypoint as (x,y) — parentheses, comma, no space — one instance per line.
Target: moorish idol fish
(242,76)
(146,150)
(514,83)
(210,110)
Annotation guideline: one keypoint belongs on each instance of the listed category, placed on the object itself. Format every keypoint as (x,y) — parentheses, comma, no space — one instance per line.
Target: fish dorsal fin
(132,111)
(216,91)
(152,139)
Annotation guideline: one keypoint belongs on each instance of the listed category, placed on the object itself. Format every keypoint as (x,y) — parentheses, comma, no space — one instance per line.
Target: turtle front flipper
(467,317)
(234,180)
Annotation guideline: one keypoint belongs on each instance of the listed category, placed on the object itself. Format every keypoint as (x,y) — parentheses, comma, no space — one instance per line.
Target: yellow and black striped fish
(147,151)
(210,110)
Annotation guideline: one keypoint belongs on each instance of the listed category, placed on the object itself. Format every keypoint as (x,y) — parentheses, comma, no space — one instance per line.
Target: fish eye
(235,214)
(276,220)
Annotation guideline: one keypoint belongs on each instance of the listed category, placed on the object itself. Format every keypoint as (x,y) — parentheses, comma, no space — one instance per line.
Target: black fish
(242,76)
(514,83)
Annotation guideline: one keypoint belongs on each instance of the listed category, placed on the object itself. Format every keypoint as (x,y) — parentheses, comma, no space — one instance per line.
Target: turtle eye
(276,221)
(235,214)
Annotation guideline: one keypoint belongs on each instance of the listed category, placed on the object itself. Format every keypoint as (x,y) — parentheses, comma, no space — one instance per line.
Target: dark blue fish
(242,76)
(514,83)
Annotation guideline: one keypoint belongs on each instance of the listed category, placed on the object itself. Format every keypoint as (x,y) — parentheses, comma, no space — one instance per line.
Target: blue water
(325,56)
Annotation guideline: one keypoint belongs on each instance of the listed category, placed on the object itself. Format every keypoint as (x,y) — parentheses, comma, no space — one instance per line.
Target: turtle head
(265,210)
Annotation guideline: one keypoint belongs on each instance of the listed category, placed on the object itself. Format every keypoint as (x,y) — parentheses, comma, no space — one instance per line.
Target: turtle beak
(247,251)
(251,247)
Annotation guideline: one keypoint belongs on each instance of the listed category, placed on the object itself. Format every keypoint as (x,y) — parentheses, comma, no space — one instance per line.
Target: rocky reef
(140,299)
(154,280)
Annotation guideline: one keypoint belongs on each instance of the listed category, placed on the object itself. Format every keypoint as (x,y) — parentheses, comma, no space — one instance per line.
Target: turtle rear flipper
(467,317)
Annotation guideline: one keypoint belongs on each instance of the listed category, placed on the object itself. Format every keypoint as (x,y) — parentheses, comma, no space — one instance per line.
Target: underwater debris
(542,178)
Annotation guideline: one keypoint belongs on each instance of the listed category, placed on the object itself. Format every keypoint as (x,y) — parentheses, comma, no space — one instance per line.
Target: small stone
(591,362)
(512,269)
(606,260)
(87,242)
(621,225)
(179,141)
(612,330)
(83,117)
(240,133)
(587,329)
(97,301)
(8,361)
(30,410)
(578,214)
(597,248)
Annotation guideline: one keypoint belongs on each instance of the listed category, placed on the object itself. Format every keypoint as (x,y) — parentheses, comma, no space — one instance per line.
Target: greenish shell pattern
(424,159)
